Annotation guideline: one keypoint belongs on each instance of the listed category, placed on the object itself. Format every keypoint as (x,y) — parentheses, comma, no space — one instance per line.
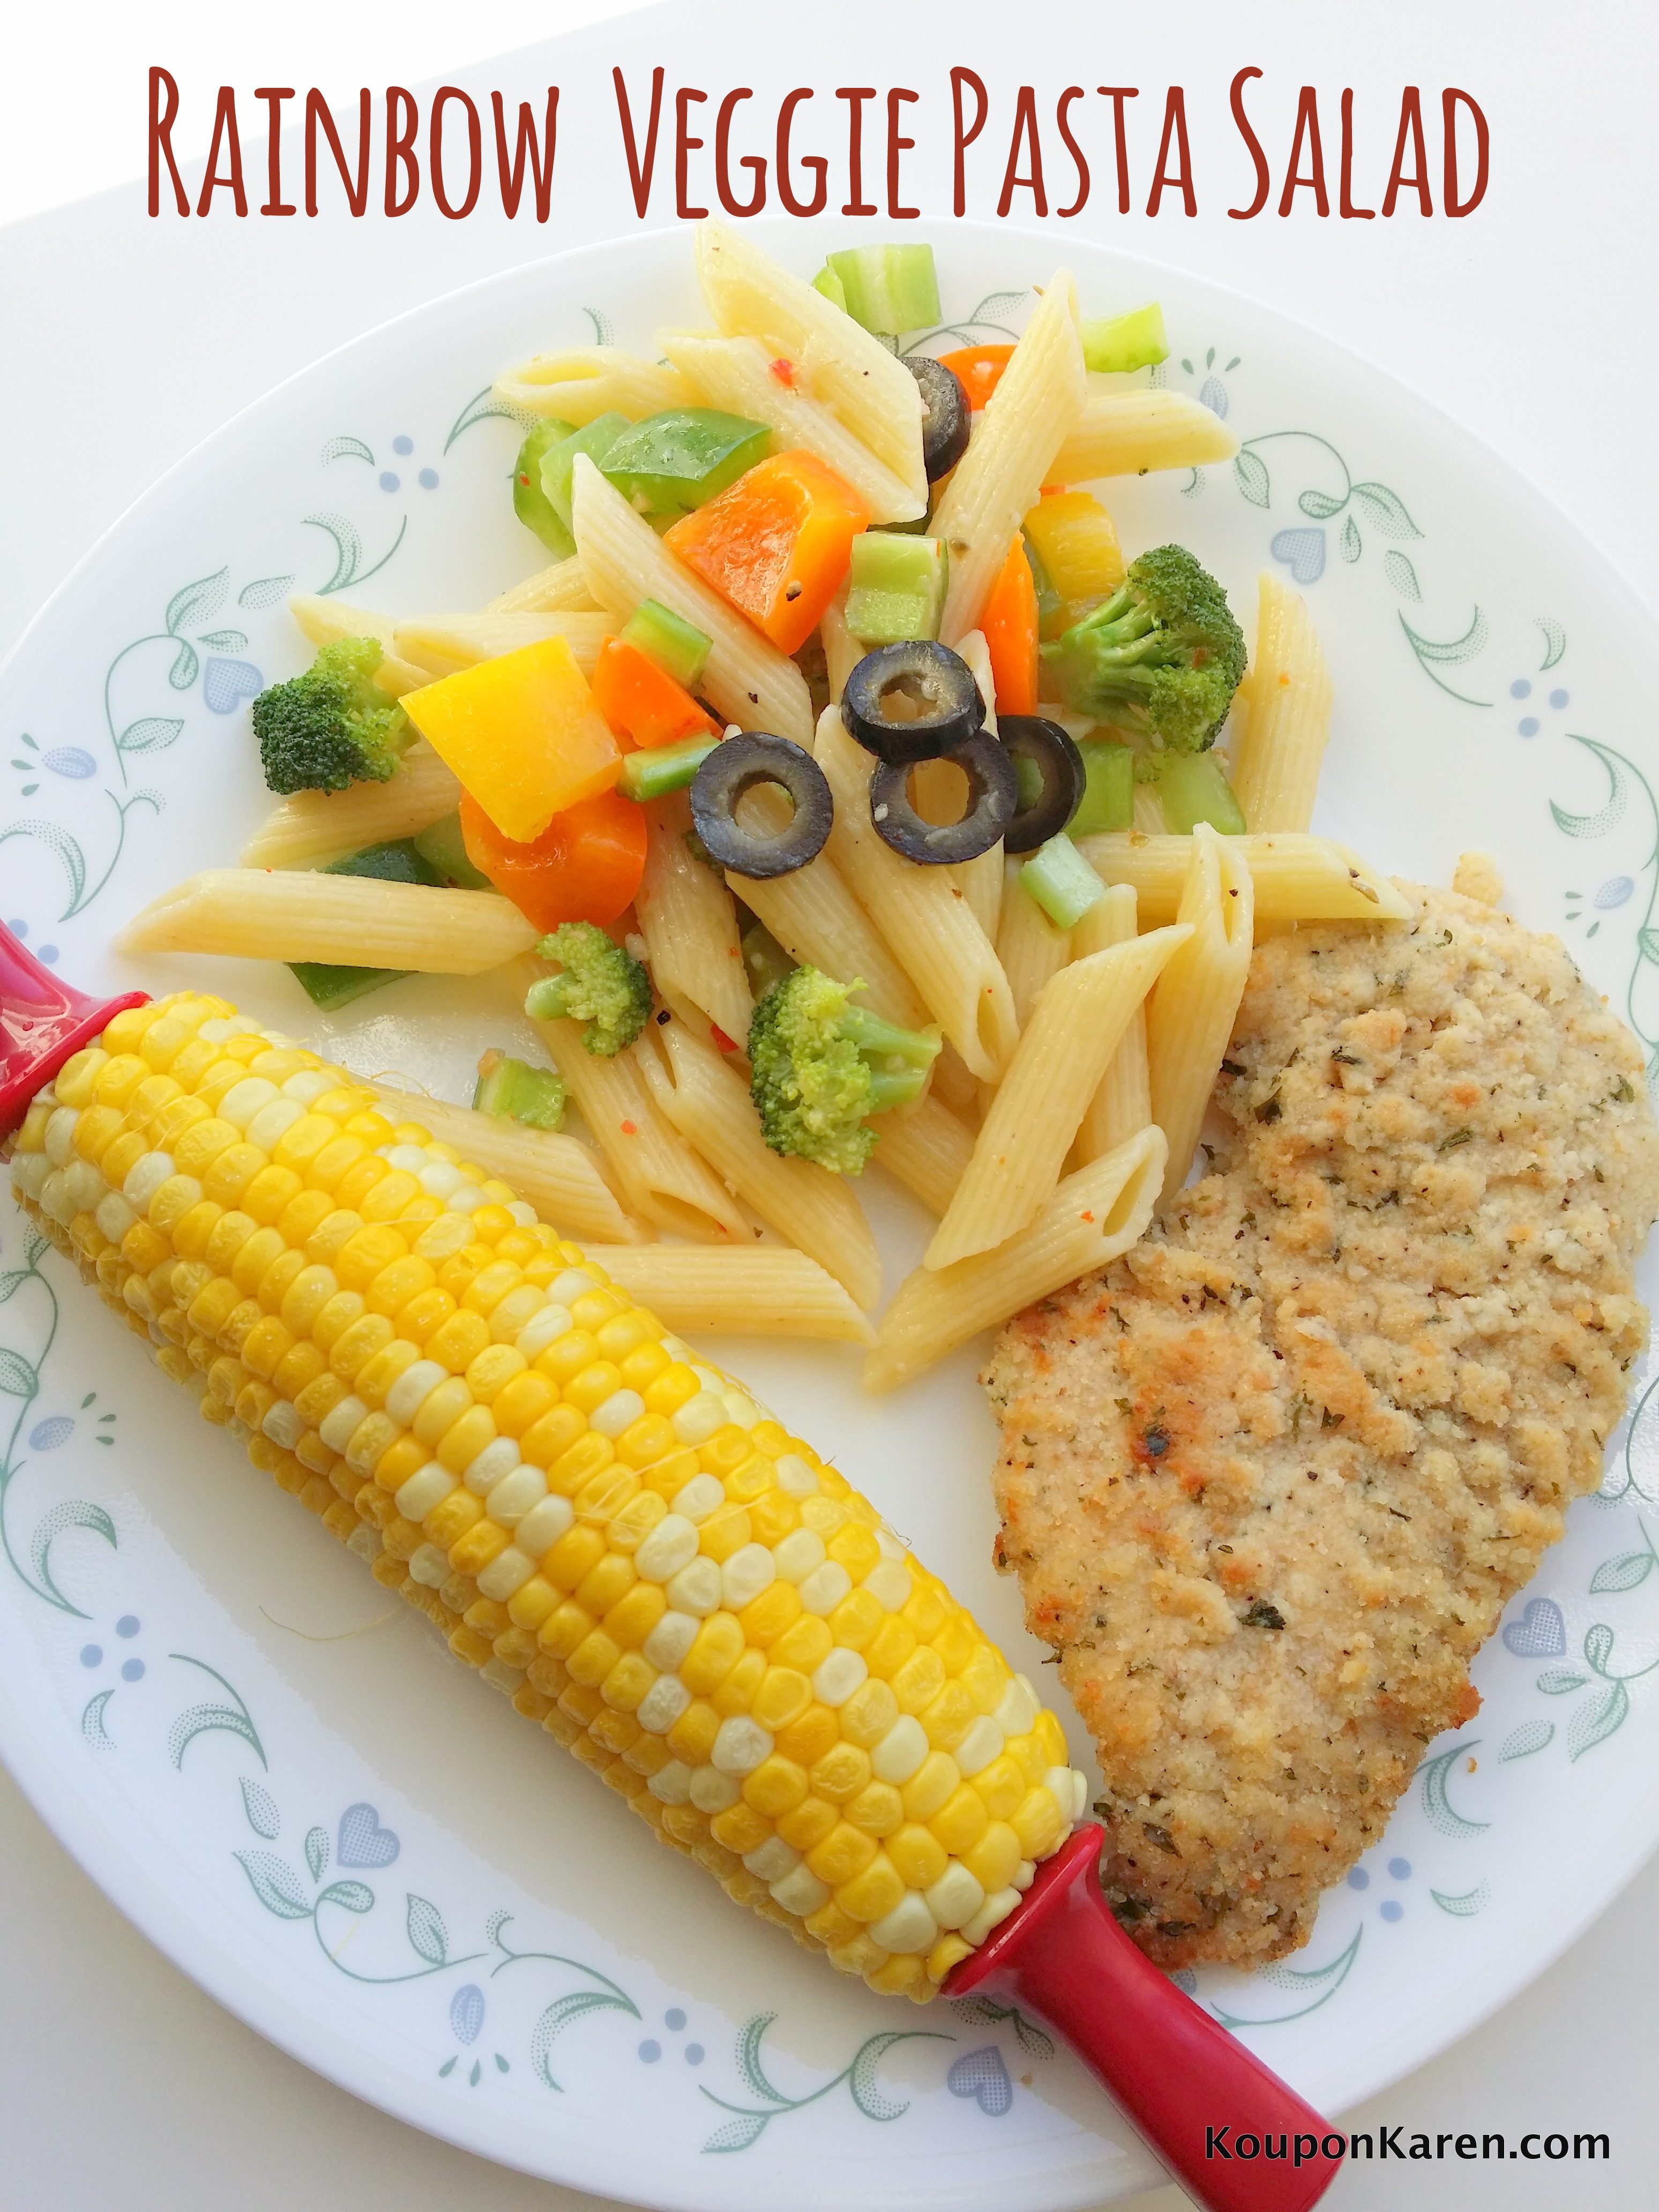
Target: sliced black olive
(993,795)
(739,764)
(1051,777)
(911,701)
(945,414)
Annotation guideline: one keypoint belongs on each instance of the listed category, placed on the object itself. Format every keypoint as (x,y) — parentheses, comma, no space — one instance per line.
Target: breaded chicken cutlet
(1269,1480)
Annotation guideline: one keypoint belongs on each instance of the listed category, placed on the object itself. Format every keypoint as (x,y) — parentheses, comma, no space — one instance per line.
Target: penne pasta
(1093,1216)
(1000,478)
(1297,877)
(442,644)
(316,826)
(326,620)
(1031,950)
(1148,811)
(764,1289)
(737,374)
(1123,1099)
(1130,434)
(258,913)
(921,913)
(925,1148)
(584,382)
(980,881)
(624,561)
(838,364)
(1075,1027)
(560,589)
(556,1173)
(1281,717)
(1191,1016)
(662,1179)
(689,925)
(709,1103)
(841,650)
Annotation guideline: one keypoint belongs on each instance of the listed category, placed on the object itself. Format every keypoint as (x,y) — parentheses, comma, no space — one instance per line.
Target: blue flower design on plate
(1614,892)
(982,2076)
(1540,1632)
(47,1436)
(466,2012)
(1301,551)
(70,761)
(362,1842)
(226,684)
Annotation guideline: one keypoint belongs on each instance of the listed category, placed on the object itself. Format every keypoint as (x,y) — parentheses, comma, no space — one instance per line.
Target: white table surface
(1534,321)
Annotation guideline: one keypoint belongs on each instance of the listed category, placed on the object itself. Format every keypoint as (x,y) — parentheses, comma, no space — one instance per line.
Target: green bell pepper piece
(1192,787)
(677,646)
(1108,794)
(530,503)
(595,439)
(1124,342)
(673,462)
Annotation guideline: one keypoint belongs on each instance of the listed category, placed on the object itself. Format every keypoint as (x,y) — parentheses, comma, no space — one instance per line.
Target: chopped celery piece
(764,960)
(1192,789)
(888,288)
(1108,790)
(830,285)
(1052,613)
(677,646)
(896,587)
(534,1095)
(443,848)
(673,462)
(530,503)
(1061,881)
(595,439)
(397,861)
(655,770)
(1122,342)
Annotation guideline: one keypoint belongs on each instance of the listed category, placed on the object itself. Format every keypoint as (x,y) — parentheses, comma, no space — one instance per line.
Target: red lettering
(1025,131)
(435,152)
(813,161)
(527,151)
(1411,122)
(224,135)
(1117,93)
(856,96)
(161,142)
(961,78)
(1073,92)
(273,95)
(356,189)
(1307,126)
(1449,100)
(1174,135)
(1263,175)
(639,173)
(1349,212)
(684,147)
(403,115)
(896,97)
(753,162)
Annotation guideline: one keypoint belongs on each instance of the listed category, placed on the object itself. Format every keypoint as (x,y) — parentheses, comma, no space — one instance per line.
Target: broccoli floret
(601,986)
(1159,660)
(331,726)
(822,1067)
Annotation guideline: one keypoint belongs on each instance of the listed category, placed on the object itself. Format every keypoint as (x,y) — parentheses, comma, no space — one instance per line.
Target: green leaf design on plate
(1530,1736)
(260,1806)
(1386,509)
(92,1722)
(70,1513)
(873,2101)
(17,1378)
(1441,1812)
(1598,1645)
(1555,640)
(427,1932)
(1466,1905)
(197,602)
(1450,652)
(1611,811)
(1250,474)
(184,669)
(350,1896)
(1595,1722)
(1316,1985)
(1558,1681)
(340,449)
(1401,574)
(234,1719)
(560,2014)
(1322,505)
(1350,545)
(275,1883)
(484,407)
(264,592)
(1627,1572)
(1647,943)
(739,2134)
(151,733)
(225,641)
(748,2055)
(316,1851)
(67,852)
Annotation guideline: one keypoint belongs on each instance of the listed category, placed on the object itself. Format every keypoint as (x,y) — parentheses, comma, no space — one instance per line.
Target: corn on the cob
(614,1533)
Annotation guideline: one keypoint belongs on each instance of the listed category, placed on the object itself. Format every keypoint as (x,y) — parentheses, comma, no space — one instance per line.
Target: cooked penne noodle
(560,589)
(1093,1216)
(921,913)
(584,382)
(817,920)
(838,363)
(1064,1051)
(689,925)
(316,826)
(925,1148)
(1297,877)
(352,921)
(1148,809)
(1123,1100)
(1191,1016)
(442,644)
(1031,950)
(624,561)
(764,1289)
(662,1179)
(709,1103)
(556,1173)
(325,622)
(1000,478)
(737,374)
(980,881)
(953,1086)
(1282,714)
(841,650)
(1130,434)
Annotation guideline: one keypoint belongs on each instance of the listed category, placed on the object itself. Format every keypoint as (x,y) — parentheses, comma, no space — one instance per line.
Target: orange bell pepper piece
(642,703)
(585,866)
(776,544)
(979,369)
(1010,624)
(522,733)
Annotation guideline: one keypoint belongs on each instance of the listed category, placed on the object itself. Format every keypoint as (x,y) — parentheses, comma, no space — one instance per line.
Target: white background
(1535,321)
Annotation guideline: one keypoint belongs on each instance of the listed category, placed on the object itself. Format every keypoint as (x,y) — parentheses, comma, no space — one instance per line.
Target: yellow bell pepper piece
(1077,542)
(522,733)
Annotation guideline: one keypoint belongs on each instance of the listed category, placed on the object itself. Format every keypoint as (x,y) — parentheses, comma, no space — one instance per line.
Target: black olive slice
(945,414)
(993,795)
(737,765)
(1045,757)
(911,701)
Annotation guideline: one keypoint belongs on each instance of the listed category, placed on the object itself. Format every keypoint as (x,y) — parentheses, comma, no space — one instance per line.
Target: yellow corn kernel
(1037,1823)
(740,1828)
(1032,1755)
(692,1736)
(605,1583)
(844,1853)
(810,1736)
(628,1681)
(634,1616)
(403,1456)
(606,1493)
(676,1386)
(551,1435)
(464,1439)
(592,1659)
(765,1618)
(521,1402)
(924,1608)
(877,1809)
(984,1676)
(776,1787)
(931,1786)
(869,1713)
(634,1523)
(718,1647)
(831,1926)
(531,1602)
(772,1517)
(842,1772)
(919,1681)
(645,1441)
(668,1476)
(450,1520)
(871,1892)
(824,1515)
(473,1552)
(567,1355)
(950,1951)
(585,1458)
(994,1859)
(495,1367)
(854,1549)
(783,1696)
(575,1555)
(459,1341)
(918,1854)
(736,1690)
(563,1629)
(961,1821)
(948,1717)
(1000,1787)
(751,1479)
(956,1640)
(890,1647)
(588,1389)
(727,1530)
(855,1620)
(581,1702)
(1050,1734)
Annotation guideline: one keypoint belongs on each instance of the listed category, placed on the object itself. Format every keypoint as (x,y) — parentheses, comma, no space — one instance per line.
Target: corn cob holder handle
(613,1533)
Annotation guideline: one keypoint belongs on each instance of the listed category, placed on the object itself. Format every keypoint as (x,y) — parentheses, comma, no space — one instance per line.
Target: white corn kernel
(889,1545)
(82,1184)
(1024,1876)
(244,1099)
(60,1135)
(114,1217)
(515,1495)
(1017,1714)
(711,1379)
(956,1896)
(145,1178)
(772,1860)
(274,1121)
(713,1791)
(428,1486)
(1079,1794)
(908,1927)
(438,1178)
(670,1639)
(616,1412)
(408,1158)
(901,1752)
(430,1566)
(795,1478)
(698,1419)
(801,1892)
(701,1497)
(695,1589)
(507,1571)
(741,1409)
(981,1744)
(467,1200)
(662,1706)
(841,1673)
(495,1461)
(671,1544)
(29,1171)
(336,1428)
(671,1784)
(308,1084)
(996,1909)
(442,1238)
(526,1216)
(750,1570)
(740,1745)
(799,1553)
(366,1444)
(824,1588)
(889,1583)
(365,1543)
(544,1525)
(283,1425)
(55,1200)
(575,1283)
(1058,1782)
(543,1329)
(412,1389)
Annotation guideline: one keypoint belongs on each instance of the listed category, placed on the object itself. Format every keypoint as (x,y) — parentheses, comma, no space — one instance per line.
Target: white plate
(286,1782)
